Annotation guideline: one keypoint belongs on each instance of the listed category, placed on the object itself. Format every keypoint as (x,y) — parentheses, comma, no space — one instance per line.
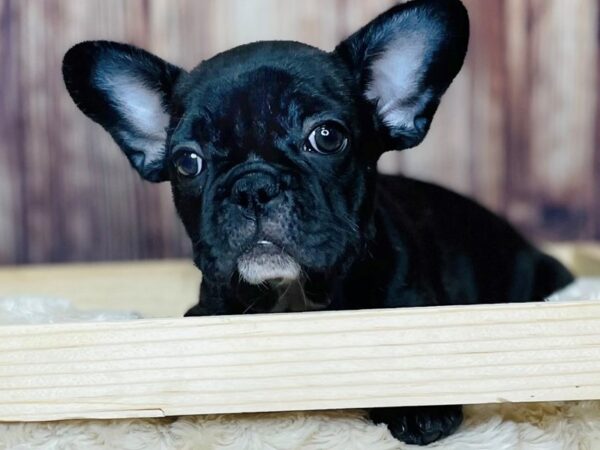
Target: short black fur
(265,203)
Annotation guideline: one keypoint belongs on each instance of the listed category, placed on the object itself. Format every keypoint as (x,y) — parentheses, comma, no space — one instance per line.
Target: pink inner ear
(140,105)
(142,109)
(396,81)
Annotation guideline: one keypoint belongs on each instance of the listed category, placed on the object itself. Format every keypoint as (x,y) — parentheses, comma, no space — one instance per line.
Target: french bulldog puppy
(271,151)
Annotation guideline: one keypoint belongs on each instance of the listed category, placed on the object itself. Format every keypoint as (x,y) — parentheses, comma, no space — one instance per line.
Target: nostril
(243,200)
(263,196)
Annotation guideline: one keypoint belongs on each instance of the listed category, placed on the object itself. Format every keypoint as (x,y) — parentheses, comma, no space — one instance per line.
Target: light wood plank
(370,358)
(587,260)
(583,258)
(168,288)
(153,288)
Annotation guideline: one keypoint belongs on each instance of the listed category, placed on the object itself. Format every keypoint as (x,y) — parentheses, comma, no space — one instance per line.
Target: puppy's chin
(266,262)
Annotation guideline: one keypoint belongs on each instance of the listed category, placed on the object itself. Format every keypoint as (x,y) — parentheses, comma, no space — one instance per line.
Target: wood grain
(373,358)
(13,242)
(516,130)
(159,367)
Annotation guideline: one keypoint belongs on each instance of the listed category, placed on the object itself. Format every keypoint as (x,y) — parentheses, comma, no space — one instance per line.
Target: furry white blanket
(535,426)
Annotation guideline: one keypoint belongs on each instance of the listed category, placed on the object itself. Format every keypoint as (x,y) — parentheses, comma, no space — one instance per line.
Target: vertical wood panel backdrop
(517,130)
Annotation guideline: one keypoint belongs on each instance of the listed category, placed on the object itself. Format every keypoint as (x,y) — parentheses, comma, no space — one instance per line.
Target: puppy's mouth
(266,261)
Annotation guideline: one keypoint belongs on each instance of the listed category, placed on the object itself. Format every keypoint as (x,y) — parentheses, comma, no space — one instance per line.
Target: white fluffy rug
(541,426)
(563,426)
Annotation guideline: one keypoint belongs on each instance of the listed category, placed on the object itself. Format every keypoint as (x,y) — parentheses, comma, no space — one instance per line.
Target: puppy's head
(270,147)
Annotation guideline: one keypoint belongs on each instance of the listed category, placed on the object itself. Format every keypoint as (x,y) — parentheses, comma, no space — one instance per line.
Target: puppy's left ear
(128,91)
(404,61)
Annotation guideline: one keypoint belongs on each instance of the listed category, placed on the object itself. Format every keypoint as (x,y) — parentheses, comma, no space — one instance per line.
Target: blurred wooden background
(516,130)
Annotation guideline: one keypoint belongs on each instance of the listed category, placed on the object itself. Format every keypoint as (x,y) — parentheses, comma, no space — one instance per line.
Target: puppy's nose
(255,190)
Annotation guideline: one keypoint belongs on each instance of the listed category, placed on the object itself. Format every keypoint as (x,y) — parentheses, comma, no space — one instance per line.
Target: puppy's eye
(187,162)
(327,138)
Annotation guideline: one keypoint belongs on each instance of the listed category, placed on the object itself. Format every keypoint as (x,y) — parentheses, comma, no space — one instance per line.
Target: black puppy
(271,151)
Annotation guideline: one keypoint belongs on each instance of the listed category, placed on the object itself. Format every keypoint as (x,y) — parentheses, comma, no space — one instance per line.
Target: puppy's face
(267,167)
(270,147)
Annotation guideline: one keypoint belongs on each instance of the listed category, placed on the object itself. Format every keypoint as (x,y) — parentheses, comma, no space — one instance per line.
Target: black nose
(255,190)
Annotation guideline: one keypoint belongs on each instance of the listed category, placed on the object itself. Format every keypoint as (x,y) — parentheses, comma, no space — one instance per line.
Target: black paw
(419,425)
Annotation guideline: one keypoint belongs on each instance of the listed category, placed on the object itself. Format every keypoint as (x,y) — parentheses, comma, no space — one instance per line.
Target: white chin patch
(256,267)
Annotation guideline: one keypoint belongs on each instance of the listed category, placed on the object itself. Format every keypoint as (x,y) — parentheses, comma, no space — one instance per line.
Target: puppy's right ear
(128,91)
(404,60)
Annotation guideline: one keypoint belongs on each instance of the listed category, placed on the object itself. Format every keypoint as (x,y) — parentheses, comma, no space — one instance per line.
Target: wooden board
(153,288)
(415,356)
(583,258)
(168,288)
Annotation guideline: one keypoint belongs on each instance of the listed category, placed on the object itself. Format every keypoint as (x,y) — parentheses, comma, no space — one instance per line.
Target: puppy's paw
(420,425)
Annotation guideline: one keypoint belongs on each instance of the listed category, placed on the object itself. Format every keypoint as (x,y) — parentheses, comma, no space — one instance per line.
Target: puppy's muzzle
(254,190)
